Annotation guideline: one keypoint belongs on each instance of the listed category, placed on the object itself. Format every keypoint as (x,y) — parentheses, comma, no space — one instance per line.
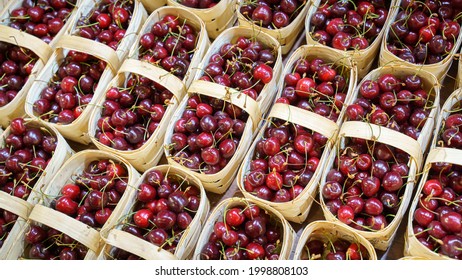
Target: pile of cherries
(284,161)
(131,114)
(245,65)
(165,207)
(94,193)
(399,103)
(365,186)
(348,25)
(437,220)
(207,135)
(450,135)
(71,89)
(26,154)
(42,19)
(199,4)
(170,45)
(45,243)
(424,32)
(338,249)
(107,22)
(244,233)
(16,64)
(272,14)
(316,85)
(7,221)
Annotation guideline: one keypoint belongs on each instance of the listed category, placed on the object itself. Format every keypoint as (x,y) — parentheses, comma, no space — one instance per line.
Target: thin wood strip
(137,246)
(15,205)
(68,225)
(304,118)
(231,95)
(384,135)
(156,74)
(23,39)
(449,155)
(91,47)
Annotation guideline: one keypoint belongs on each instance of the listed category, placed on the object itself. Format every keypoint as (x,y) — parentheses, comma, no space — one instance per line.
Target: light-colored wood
(380,239)
(266,96)
(412,246)
(78,129)
(287,237)
(151,5)
(430,85)
(220,181)
(114,58)
(20,207)
(329,232)
(286,36)
(151,152)
(80,232)
(217,19)
(115,237)
(9,35)
(439,69)
(363,59)
(446,110)
(185,16)
(297,209)
(331,57)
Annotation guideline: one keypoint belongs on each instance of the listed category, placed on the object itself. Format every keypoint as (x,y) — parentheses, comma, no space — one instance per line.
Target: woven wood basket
(202,43)
(439,69)
(288,234)
(412,246)
(21,207)
(286,36)
(151,152)
(151,5)
(363,59)
(116,238)
(217,19)
(219,182)
(380,239)
(266,96)
(86,235)
(329,56)
(297,209)
(446,110)
(327,232)
(430,85)
(15,108)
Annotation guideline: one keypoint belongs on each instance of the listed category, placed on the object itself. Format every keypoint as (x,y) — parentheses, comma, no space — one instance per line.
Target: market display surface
(230,130)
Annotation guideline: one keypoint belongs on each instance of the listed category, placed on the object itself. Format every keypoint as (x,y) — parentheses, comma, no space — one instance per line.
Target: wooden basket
(446,110)
(20,207)
(116,238)
(77,130)
(430,85)
(79,231)
(297,209)
(380,239)
(266,96)
(439,69)
(15,108)
(286,36)
(363,59)
(412,246)
(217,19)
(288,234)
(151,152)
(202,43)
(100,50)
(32,40)
(328,231)
(151,5)
(329,56)
(219,182)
